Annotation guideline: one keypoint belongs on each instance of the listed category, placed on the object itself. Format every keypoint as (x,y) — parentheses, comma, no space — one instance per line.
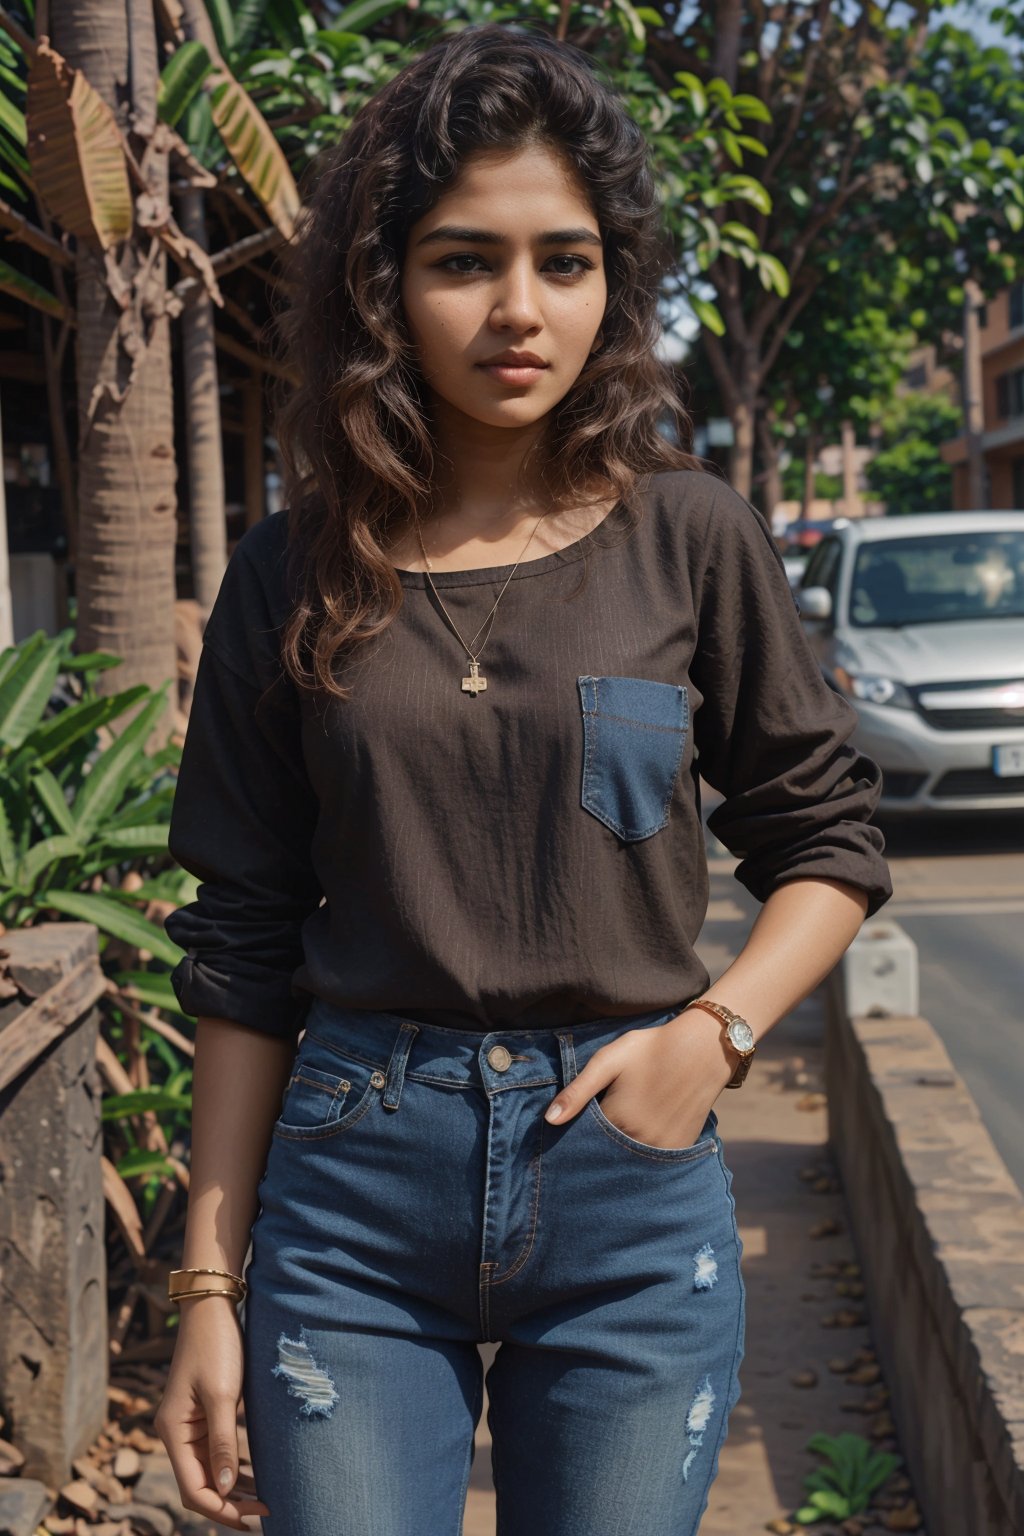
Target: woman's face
(508,261)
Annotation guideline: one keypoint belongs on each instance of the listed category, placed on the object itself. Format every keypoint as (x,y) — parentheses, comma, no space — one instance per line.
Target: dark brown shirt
(532,855)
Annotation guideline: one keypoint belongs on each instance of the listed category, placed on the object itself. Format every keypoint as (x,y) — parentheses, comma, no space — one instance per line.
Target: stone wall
(53,1302)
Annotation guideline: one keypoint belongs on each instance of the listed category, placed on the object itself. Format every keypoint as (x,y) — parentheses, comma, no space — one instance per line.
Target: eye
(446,266)
(585,265)
(465,263)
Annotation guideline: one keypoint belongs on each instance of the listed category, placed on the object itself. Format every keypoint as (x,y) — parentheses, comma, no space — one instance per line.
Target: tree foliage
(908,472)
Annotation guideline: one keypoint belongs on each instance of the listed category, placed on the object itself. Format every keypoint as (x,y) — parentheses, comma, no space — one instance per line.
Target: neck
(479,480)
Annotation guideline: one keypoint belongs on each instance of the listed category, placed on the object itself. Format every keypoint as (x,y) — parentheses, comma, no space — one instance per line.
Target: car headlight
(874,688)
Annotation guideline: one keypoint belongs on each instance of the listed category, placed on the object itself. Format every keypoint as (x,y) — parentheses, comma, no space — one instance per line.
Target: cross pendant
(474,683)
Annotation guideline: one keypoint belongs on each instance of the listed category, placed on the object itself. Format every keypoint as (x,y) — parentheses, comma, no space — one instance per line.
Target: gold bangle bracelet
(189,1274)
(213,1291)
(224,1274)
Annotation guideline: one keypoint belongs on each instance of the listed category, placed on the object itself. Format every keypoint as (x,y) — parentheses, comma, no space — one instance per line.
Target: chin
(515,412)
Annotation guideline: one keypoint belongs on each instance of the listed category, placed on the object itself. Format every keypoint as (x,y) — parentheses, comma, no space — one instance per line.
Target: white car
(919,621)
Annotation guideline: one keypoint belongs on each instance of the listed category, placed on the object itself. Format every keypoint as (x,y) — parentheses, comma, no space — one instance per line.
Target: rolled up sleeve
(243,821)
(772,736)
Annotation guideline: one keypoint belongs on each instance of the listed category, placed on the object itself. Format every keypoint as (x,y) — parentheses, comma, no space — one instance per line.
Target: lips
(514,360)
(516,369)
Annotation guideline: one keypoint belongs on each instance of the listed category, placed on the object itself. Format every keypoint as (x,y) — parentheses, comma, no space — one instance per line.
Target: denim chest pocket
(634,731)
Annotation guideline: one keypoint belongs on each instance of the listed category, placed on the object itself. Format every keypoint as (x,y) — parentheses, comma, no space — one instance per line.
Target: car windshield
(934,578)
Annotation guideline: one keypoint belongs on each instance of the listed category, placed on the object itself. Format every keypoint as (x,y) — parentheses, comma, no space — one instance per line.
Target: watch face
(741,1035)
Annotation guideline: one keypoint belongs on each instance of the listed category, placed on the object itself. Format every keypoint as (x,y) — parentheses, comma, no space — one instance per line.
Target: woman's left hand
(662,1081)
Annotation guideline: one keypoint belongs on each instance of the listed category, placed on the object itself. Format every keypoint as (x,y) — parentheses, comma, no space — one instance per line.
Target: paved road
(959,892)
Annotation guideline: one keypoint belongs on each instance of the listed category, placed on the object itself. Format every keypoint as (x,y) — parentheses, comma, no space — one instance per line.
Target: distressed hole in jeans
(305,1378)
(697,1421)
(705,1268)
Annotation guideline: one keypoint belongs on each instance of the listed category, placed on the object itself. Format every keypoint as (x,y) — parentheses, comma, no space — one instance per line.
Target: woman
(441,790)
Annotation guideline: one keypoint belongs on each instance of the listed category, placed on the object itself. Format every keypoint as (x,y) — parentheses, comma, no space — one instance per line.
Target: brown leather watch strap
(726,1015)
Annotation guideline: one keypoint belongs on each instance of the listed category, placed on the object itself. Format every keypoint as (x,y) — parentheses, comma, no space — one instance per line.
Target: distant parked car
(804,533)
(798,538)
(919,621)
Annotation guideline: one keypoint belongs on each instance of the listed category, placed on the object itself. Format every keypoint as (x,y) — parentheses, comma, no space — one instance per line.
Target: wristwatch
(738,1033)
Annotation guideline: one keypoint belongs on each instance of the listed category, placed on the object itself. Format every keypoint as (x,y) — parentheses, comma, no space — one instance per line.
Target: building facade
(1001,346)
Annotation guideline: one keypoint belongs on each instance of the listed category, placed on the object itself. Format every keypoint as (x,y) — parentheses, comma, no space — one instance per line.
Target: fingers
(222,1440)
(599,1071)
(201,1442)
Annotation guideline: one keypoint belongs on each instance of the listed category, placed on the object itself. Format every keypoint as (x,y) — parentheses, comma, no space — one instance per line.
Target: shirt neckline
(491,573)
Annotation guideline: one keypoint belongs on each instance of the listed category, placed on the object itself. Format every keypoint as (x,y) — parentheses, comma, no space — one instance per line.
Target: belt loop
(565,1045)
(396,1066)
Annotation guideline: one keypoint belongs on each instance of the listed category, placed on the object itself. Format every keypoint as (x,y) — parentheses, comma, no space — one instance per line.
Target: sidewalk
(772,1129)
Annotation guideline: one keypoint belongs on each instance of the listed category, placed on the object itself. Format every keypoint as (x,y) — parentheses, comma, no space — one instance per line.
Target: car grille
(973,719)
(966,707)
(900,785)
(977,781)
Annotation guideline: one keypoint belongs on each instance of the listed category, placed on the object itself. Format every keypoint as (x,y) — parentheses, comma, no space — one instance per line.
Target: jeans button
(499,1058)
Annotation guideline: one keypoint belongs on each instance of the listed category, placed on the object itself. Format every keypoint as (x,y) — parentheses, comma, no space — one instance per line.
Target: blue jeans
(414,1203)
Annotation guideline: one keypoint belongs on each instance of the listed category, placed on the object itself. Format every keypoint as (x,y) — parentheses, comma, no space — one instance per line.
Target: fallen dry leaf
(906,1519)
(81,1495)
(865,1375)
(830,1227)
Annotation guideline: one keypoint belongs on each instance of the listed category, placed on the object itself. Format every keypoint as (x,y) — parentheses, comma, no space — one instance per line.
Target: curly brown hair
(354,430)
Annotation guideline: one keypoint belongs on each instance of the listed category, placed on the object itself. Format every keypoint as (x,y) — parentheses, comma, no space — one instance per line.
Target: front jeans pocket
(634,731)
(327,1092)
(705,1143)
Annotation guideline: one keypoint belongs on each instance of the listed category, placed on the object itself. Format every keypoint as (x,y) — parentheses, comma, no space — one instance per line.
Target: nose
(517,305)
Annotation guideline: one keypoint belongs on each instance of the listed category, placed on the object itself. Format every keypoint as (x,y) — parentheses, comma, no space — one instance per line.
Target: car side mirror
(815,602)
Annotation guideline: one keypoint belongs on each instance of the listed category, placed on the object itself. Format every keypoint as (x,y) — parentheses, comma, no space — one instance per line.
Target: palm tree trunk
(126,469)
(207,517)
(6,602)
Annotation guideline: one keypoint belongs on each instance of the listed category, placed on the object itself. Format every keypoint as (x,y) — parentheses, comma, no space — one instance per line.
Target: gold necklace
(475,683)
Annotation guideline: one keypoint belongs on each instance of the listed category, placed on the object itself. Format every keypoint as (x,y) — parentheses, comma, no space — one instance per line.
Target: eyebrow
(446,234)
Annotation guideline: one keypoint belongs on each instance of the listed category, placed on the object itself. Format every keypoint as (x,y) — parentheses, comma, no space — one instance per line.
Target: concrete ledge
(938,1224)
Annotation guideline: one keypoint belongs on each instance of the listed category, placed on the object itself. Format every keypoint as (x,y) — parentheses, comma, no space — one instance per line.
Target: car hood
(934,653)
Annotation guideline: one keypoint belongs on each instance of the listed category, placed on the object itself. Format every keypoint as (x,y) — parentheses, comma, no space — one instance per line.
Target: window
(1017,305)
(939,577)
(822,569)
(1018,484)
(1010,393)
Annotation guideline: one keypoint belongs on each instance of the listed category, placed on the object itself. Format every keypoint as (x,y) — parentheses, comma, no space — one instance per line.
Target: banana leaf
(74,149)
(252,146)
(113,917)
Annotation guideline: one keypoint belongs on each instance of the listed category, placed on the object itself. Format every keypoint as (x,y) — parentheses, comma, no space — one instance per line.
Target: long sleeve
(772,736)
(242,822)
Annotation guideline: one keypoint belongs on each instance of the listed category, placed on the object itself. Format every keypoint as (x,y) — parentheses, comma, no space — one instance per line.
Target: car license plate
(1008,761)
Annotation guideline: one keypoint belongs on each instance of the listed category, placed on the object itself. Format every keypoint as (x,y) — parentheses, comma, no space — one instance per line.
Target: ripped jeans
(415,1202)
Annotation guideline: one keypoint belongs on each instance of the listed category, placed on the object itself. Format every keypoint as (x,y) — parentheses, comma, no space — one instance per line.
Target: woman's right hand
(198,1414)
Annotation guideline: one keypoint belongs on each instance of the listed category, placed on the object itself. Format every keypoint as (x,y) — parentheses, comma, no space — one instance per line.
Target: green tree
(885,142)
(908,472)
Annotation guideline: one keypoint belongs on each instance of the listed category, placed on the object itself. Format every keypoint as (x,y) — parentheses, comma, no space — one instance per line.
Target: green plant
(83,835)
(854,1470)
(79,805)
